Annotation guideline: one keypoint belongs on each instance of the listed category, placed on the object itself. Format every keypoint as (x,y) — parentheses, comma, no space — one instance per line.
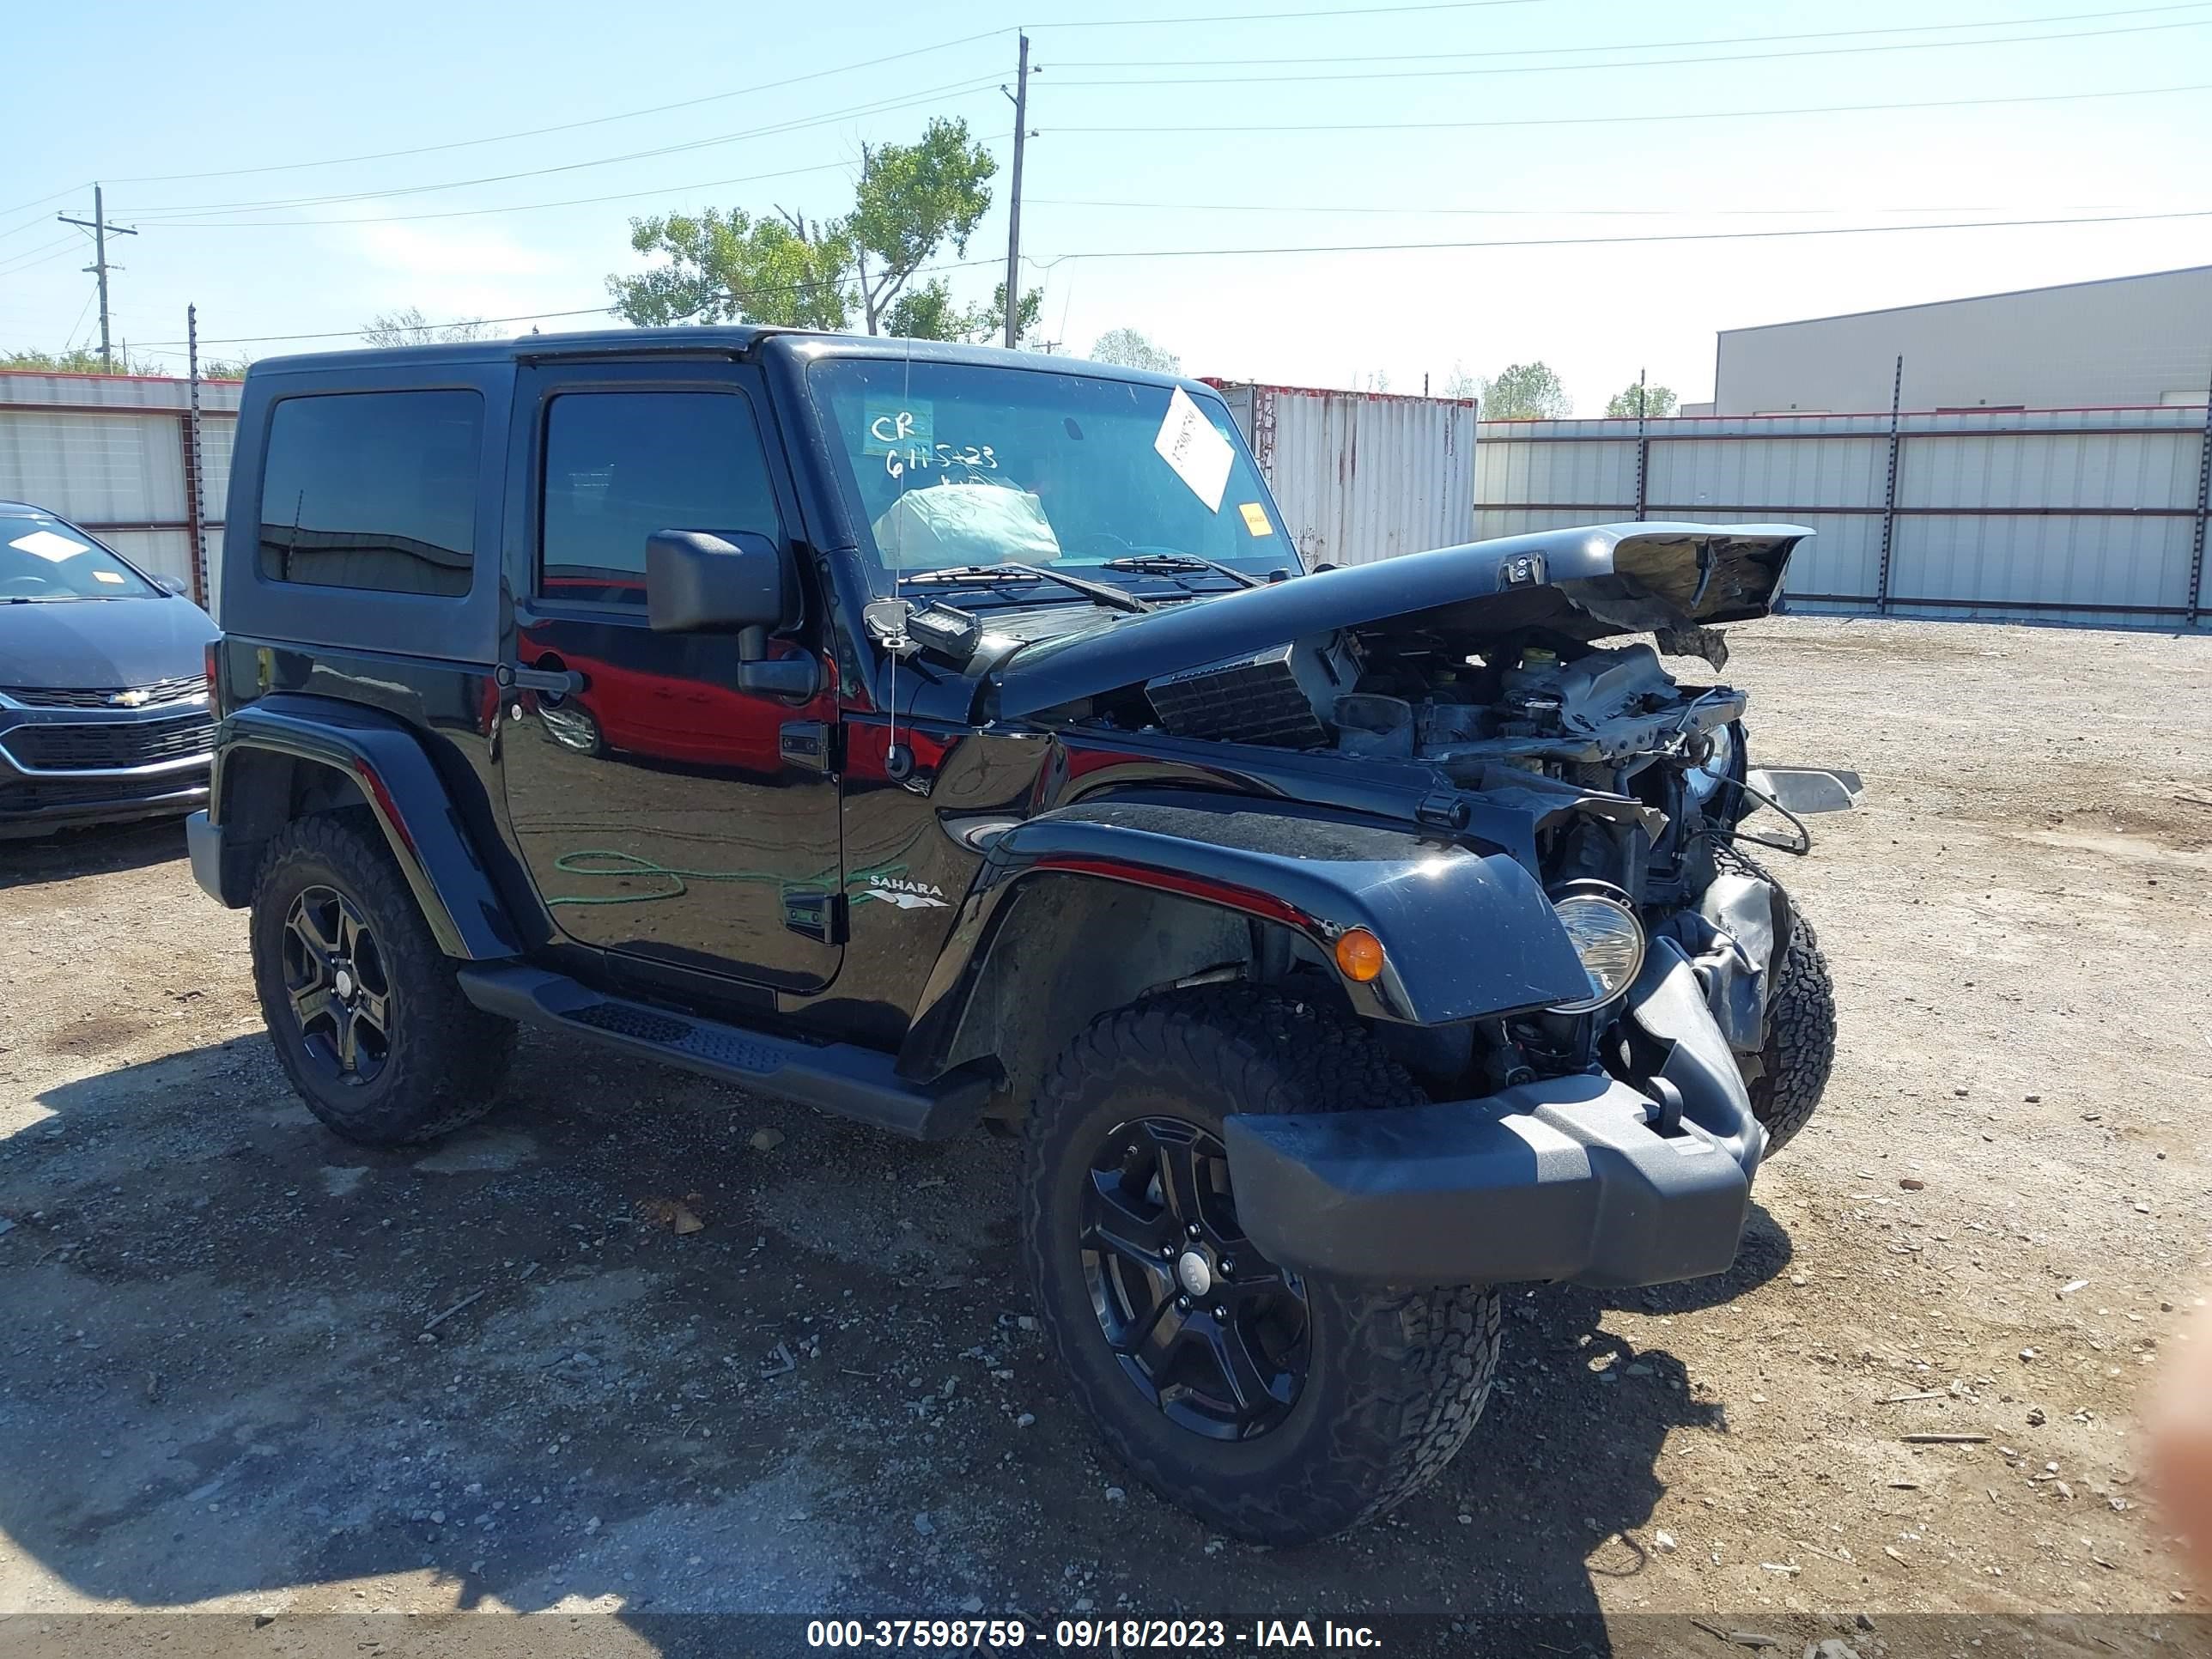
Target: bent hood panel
(1586,582)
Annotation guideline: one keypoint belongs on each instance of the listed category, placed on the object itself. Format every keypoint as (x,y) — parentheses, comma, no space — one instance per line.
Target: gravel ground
(246,1367)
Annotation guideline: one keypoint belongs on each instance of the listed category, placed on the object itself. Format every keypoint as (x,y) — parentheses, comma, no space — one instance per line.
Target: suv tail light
(211,664)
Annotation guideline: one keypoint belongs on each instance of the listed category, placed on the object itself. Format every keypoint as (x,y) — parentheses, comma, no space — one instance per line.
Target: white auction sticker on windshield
(44,544)
(1200,456)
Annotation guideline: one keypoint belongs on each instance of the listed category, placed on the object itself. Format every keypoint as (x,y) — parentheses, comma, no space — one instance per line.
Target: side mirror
(174,586)
(1806,789)
(697,581)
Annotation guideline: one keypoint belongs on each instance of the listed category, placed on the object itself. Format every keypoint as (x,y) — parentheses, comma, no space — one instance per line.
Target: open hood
(1585,583)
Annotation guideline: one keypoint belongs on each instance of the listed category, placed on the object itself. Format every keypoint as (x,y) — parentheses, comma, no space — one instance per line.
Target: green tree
(735,268)
(1524,392)
(75,360)
(929,313)
(225,368)
(1460,384)
(1657,401)
(912,199)
(411,327)
(1131,350)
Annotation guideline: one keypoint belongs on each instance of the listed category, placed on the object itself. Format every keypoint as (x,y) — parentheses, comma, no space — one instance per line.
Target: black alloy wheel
(1206,1328)
(340,993)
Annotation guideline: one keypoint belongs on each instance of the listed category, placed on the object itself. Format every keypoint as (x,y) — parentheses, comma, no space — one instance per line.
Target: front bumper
(1583,1178)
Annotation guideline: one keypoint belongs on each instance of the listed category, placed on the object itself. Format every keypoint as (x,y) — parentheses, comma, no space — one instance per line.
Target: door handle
(564,680)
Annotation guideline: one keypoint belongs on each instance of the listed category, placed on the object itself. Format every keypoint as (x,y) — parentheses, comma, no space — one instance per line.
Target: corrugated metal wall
(1362,475)
(109,452)
(2089,516)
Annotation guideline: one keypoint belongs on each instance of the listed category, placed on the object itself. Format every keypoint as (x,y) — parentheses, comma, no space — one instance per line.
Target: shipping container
(1361,476)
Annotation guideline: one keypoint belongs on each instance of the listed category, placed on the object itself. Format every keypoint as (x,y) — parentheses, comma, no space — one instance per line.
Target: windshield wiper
(1105,593)
(1166,563)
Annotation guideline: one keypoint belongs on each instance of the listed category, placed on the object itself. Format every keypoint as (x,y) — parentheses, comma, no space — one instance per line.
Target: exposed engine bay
(1635,784)
(1598,707)
(1591,736)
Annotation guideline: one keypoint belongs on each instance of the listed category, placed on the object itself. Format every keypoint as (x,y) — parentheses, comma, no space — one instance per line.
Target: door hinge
(819,916)
(810,745)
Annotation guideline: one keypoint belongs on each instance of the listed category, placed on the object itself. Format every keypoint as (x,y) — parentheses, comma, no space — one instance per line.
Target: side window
(374,489)
(620,465)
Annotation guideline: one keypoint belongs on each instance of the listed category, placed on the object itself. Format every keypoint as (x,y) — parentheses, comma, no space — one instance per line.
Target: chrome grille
(109,744)
(104,697)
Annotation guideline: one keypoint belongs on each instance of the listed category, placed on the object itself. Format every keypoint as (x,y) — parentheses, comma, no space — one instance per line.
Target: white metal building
(2128,340)
(114,452)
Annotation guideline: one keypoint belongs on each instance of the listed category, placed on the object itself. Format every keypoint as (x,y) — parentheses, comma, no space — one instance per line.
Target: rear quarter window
(372,490)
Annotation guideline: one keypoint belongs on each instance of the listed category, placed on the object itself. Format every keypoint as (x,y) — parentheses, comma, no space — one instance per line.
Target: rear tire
(368,1021)
(1353,1396)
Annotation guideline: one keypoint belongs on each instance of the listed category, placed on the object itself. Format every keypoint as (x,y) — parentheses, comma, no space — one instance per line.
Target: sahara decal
(906,895)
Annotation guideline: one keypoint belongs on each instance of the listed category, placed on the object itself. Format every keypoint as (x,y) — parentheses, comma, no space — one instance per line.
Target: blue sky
(1157,136)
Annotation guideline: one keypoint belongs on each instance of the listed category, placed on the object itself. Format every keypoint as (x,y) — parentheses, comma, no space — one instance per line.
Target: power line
(1618,241)
(518,207)
(1271,17)
(526,207)
(566,126)
(1629,63)
(1427,211)
(44,253)
(1676,115)
(1628,45)
(40,201)
(585,311)
(874,106)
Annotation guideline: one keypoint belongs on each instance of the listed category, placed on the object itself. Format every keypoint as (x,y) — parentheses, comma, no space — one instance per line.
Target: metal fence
(2091,516)
(114,452)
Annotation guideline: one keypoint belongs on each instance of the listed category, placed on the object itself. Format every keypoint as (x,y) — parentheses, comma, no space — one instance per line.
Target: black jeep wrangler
(944,737)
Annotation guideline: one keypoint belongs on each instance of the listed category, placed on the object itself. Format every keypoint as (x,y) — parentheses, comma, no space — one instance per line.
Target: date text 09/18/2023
(1087,1634)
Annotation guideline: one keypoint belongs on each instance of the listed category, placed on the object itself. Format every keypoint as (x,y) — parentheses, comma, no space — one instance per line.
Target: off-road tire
(1395,1377)
(1800,1030)
(446,1059)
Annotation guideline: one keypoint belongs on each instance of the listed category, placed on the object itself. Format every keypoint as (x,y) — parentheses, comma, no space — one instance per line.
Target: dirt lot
(246,1366)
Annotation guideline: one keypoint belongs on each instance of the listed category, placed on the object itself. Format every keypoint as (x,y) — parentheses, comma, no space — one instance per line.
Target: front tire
(1277,1406)
(369,1023)
(1801,1040)
(1792,1072)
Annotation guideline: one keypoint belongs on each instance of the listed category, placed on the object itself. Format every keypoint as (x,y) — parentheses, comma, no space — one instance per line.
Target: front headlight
(1717,767)
(1608,938)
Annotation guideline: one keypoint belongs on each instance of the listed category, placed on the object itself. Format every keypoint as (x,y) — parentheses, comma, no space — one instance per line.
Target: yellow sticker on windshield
(1255,518)
(113,577)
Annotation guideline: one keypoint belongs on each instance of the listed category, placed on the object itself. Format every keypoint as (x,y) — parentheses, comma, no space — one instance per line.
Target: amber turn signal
(1358,954)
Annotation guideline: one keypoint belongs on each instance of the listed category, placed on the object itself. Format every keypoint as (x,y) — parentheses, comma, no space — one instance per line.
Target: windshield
(958,464)
(43,558)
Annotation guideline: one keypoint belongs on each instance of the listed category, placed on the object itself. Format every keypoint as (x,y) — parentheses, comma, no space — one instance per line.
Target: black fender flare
(1466,933)
(384,759)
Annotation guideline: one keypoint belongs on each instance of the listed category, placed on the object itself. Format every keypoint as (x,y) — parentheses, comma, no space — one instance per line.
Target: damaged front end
(1612,1138)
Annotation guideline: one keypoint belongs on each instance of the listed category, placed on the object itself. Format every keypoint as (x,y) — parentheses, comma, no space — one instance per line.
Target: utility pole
(99,227)
(1014,204)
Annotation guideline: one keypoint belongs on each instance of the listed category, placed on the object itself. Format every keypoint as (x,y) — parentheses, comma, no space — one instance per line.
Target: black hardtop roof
(732,339)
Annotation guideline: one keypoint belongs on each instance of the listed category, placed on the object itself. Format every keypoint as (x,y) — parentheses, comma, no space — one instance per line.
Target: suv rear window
(372,490)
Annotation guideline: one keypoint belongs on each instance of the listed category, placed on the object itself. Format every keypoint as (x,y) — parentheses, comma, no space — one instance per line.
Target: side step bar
(857,1083)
